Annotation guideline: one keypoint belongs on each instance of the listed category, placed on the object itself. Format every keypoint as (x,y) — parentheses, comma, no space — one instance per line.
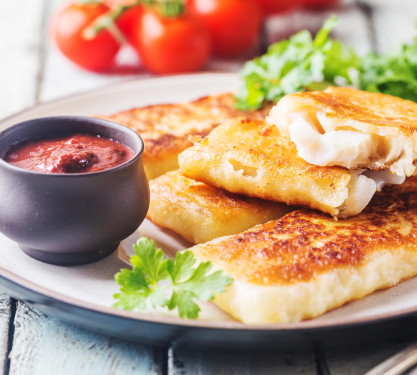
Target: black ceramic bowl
(72,218)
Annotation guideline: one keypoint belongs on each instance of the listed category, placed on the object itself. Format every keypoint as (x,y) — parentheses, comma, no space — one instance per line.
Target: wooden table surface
(31,71)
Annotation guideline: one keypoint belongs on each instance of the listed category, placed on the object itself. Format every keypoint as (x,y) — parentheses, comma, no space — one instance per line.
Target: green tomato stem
(106,21)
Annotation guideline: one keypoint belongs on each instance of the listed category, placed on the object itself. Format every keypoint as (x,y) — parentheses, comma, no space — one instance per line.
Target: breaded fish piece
(166,128)
(250,157)
(350,128)
(200,212)
(304,264)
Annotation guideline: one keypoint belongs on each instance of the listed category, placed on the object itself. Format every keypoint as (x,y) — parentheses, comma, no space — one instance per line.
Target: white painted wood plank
(352,28)
(46,346)
(394,22)
(19,45)
(4,329)
(19,48)
(358,359)
(182,362)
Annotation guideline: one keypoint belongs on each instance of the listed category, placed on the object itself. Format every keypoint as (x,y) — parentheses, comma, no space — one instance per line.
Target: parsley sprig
(161,282)
(302,63)
(393,72)
(297,64)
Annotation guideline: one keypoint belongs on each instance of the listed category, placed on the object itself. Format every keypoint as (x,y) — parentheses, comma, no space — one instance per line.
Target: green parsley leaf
(149,260)
(187,308)
(393,73)
(302,63)
(297,64)
(163,282)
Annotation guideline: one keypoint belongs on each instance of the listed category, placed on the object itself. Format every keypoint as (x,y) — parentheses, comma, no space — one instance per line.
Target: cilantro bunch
(297,64)
(159,282)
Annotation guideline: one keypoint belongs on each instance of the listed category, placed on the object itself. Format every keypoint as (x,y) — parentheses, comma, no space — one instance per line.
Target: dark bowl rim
(98,121)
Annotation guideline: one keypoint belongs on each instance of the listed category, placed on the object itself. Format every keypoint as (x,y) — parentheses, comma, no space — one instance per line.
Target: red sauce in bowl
(78,153)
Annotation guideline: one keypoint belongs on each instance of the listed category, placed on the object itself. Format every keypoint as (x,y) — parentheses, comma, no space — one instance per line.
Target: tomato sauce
(78,153)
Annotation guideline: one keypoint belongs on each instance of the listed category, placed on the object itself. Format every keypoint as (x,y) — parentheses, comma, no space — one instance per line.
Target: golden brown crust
(200,212)
(176,187)
(305,244)
(250,157)
(166,128)
(348,104)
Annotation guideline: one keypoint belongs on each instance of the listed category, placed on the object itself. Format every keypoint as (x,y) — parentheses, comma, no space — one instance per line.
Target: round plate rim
(308,325)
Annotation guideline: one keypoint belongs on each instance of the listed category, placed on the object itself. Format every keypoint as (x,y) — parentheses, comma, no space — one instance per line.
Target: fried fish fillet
(200,212)
(166,128)
(305,263)
(250,157)
(350,128)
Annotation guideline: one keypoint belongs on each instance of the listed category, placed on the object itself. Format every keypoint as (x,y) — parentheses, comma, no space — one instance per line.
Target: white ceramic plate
(83,294)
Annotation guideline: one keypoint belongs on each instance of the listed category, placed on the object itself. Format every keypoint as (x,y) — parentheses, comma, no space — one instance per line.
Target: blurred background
(33,68)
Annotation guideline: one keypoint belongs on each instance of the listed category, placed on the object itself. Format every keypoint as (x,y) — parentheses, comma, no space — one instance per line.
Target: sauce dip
(77,153)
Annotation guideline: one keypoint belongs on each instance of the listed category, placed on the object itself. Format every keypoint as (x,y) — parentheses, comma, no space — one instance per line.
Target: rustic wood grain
(4,330)
(19,50)
(44,345)
(182,362)
(19,68)
(358,359)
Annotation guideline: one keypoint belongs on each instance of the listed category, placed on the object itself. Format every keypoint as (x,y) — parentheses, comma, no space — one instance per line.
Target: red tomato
(277,6)
(234,25)
(67,29)
(127,22)
(319,3)
(117,3)
(171,44)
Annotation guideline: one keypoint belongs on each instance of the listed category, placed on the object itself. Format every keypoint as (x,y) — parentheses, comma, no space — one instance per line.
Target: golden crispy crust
(304,264)
(250,157)
(165,128)
(347,104)
(200,212)
(304,244)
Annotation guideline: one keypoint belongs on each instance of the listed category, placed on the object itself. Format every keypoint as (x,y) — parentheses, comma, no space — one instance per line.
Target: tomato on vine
(73,29)
(234,25)
(171,43)
(127,21)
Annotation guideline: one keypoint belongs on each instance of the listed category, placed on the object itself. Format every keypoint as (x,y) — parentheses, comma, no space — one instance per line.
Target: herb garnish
(297,64)
(302,63)
(167,283)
